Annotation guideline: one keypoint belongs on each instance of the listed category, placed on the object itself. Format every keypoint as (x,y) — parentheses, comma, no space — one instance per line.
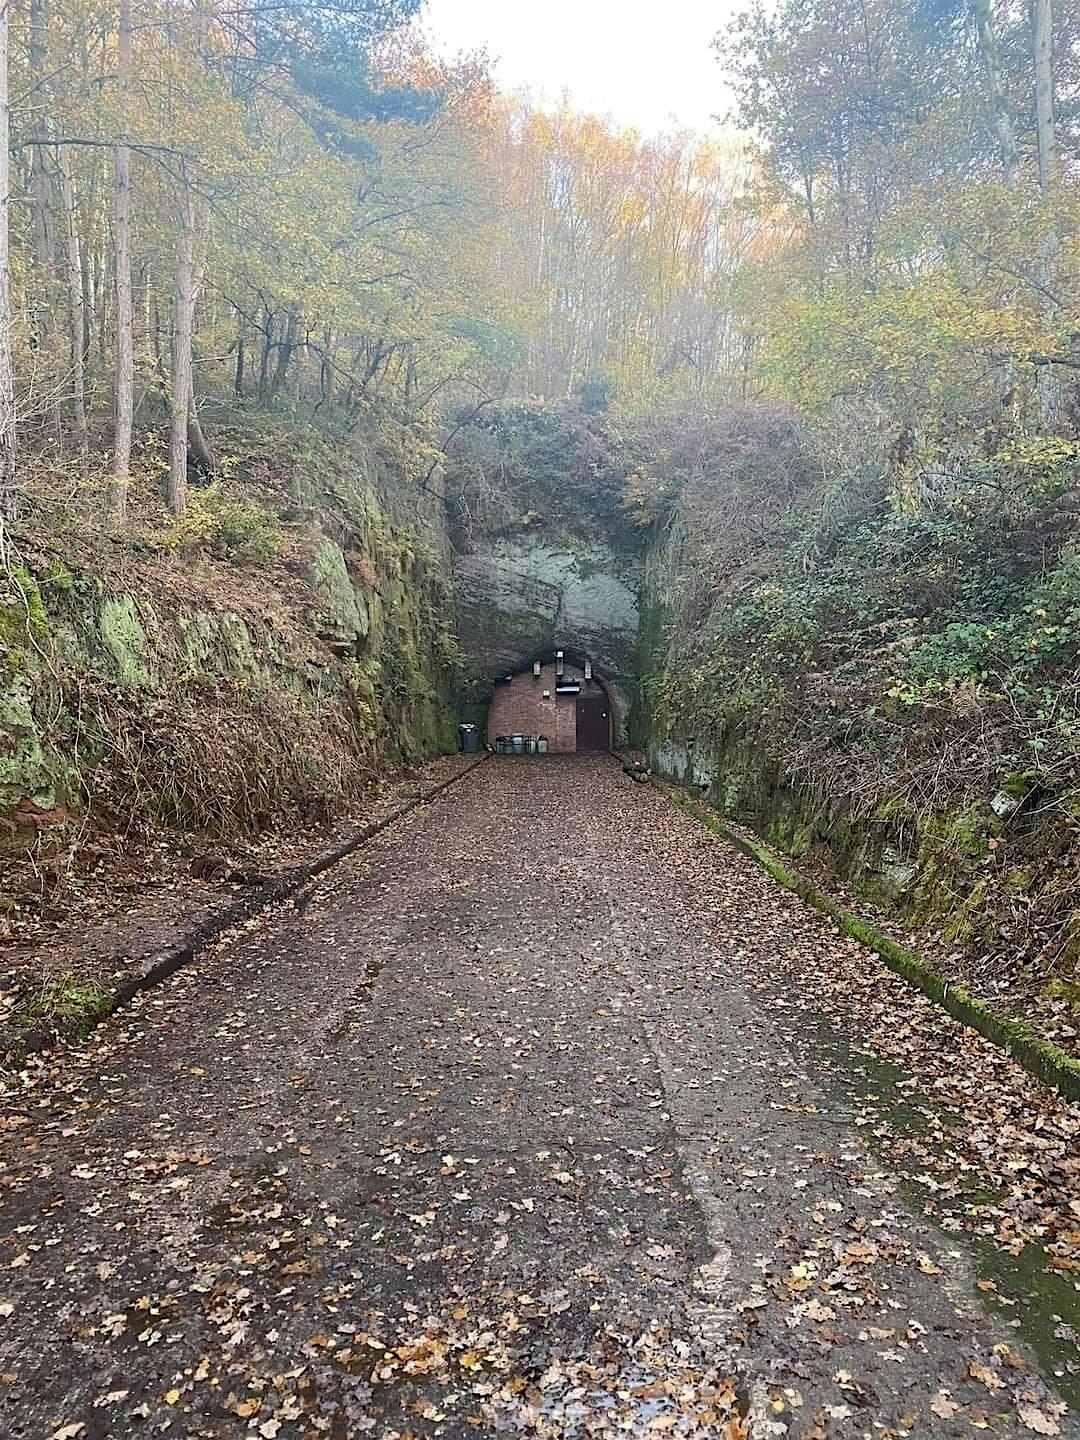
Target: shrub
(233,529)
(1034,637)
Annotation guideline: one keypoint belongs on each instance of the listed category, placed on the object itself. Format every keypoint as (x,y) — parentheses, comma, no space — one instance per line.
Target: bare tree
(1043,36)
(76,305)
(182,368)
(40,179)
(1049,384)
(999,100)
(8,492)
(125,320)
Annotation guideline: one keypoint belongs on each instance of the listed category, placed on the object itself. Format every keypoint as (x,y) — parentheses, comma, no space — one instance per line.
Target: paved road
(494,1132)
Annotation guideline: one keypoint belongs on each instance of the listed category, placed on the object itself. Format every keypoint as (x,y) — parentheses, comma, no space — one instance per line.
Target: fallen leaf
(1032,1418)
(990,1378)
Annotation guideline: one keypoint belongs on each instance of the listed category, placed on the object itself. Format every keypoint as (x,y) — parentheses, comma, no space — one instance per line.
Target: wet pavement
(492,1131)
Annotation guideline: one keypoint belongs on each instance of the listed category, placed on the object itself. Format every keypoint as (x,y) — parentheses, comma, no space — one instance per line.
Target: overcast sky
(644,63)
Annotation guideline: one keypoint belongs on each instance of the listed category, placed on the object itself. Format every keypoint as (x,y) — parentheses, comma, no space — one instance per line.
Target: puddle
(1041,1304)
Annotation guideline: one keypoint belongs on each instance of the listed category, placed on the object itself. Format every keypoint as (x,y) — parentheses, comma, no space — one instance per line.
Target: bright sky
(645,64)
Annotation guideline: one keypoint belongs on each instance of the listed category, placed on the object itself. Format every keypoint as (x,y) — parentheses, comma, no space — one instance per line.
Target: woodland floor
(545,1113)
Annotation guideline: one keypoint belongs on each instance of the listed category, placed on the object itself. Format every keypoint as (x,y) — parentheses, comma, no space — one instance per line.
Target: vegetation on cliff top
(865,588)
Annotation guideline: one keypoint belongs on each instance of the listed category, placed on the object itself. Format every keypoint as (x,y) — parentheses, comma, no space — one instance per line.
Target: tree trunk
(182,381)
(285,350)
(1049,388)
(238,374)
(76,308)
(199,446)
(1043,25)
(8,492)
(40,184)
(156,332)
(88,299)
(264,358)
(125,320)
(999,100)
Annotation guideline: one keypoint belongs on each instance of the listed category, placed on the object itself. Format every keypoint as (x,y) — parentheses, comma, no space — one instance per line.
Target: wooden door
(593,723)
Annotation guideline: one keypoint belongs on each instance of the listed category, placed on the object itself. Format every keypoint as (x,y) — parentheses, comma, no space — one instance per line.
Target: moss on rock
(342,617)
(123,638)
(24,624)
(25,771)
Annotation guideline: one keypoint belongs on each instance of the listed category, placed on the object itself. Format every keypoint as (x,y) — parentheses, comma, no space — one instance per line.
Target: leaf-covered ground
(121,904)
(546,1114)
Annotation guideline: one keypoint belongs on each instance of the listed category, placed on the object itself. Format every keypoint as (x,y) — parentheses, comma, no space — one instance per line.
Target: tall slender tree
(182,387)
(76,305)
(1049,385)
(125,317)
(1000,109)
(40,178)
(8,491)
(1043,37)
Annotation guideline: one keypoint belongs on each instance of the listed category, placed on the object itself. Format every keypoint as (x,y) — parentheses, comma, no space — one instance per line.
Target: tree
(183,388)
(1043,36)
(76,305)
(1049,381)
(124,383)
(8,491)
(999,102)
(40,180)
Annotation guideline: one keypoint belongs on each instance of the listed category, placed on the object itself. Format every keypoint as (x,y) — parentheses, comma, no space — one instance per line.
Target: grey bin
(470,739)
(541,744)
(530,744)
(517,744)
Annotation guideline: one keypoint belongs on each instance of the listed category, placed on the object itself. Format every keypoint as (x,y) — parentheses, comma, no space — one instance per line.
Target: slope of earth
(117,923)
(530,1118)
(253,667)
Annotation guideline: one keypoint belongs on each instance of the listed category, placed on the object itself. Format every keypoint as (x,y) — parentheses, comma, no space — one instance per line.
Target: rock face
(294,681)
(971,873)
(522,598)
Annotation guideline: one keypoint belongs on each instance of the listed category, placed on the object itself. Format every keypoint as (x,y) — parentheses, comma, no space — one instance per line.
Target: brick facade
(518,707)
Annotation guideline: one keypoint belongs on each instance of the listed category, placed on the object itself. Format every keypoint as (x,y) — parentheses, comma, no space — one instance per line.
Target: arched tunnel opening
(558,698)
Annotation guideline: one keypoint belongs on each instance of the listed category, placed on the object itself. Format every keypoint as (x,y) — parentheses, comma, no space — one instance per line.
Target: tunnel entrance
(557,698)
(593,723)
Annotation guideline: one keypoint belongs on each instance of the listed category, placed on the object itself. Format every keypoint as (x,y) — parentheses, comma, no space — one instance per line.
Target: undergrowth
(231,528)
(203,675)
(890,680)
(922,653)
(74,1003)
(220,756)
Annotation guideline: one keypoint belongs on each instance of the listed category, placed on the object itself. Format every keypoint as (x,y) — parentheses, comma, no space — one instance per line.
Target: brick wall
(519,708)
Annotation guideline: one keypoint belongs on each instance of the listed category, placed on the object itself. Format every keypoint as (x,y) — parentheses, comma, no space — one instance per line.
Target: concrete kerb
(1040,1058)
(272,891)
